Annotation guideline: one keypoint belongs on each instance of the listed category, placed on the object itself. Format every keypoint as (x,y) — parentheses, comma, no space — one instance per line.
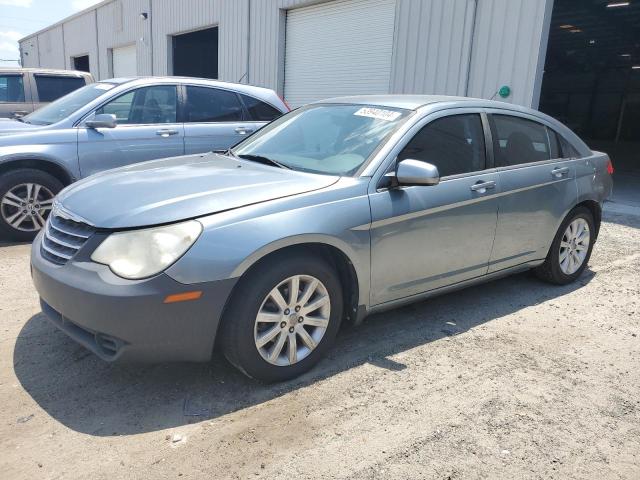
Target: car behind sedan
(114,123)
(334,211)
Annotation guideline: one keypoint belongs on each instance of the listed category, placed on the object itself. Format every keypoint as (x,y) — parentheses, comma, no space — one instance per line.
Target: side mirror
(103,120)
(414,172)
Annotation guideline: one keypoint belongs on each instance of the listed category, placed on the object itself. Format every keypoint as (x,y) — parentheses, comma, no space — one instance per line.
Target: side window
(260,111)
(454,144)
(205,104)
(11,89)
(517,140)
(52,87)
(146,105)
(568,150)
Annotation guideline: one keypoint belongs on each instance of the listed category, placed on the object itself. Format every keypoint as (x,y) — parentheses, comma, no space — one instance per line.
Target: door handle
(19,113)
(244,130)
(482,187)
(165,132)
(560,172)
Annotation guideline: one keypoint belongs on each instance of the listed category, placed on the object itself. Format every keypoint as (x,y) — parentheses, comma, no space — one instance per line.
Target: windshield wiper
(263,160)
(20,119)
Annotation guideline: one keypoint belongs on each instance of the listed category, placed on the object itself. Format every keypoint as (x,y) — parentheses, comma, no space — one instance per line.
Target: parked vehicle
(114,123)
(23,90)
(339,209)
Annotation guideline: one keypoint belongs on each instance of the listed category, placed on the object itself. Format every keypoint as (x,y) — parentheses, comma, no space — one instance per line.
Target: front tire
(571,248)
(26,199)
(283,317)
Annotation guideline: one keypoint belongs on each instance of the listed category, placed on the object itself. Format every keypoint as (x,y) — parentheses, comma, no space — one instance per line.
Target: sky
(19,18)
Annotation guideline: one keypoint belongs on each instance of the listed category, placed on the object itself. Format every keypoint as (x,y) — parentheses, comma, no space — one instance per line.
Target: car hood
(8,126)
(174,189)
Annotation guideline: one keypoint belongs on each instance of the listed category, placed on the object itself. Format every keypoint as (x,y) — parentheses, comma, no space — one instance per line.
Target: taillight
(285,103)
(609,167)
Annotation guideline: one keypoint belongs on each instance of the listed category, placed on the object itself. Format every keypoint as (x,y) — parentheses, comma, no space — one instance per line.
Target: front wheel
(26,198)
(283,317)
(571,248)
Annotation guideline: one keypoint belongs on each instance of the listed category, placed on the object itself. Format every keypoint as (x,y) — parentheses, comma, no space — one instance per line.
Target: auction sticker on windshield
(378,113)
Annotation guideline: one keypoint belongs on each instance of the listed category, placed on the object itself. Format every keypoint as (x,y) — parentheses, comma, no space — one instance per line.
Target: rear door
(214,119)
(15,97)
(538,188)
(147,129)
(49,87)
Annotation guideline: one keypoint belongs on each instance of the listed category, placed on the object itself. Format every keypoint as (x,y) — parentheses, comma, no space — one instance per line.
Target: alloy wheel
(574,246)
(292,320)
(26,206)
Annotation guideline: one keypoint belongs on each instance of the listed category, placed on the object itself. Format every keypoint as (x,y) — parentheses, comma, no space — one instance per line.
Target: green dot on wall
(504,91)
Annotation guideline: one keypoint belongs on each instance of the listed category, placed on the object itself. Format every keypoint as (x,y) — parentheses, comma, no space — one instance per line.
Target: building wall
(458,47)
(80,39)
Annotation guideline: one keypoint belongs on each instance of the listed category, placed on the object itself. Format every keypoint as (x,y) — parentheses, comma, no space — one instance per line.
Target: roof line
(67,19)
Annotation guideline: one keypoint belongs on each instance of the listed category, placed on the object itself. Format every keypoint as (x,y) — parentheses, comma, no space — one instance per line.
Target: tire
(15,183)
(553,270)
(241,331)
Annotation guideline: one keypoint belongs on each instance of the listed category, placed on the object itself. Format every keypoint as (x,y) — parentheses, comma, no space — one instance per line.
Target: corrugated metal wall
(432,46)
(463,47)
(80,39)
(506,48)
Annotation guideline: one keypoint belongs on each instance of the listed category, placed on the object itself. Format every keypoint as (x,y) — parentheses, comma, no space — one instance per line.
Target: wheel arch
(347,271)
(52,168)
(596,210)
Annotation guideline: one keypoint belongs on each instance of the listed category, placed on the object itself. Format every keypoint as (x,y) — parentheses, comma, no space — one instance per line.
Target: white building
(310,49)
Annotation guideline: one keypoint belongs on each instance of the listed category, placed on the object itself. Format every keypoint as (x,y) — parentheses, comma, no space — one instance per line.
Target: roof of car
(189,80)
(414,102)
(57,71)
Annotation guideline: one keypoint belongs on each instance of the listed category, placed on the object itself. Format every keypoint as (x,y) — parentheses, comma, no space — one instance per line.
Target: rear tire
(26,198)
(262,333)
(571,248)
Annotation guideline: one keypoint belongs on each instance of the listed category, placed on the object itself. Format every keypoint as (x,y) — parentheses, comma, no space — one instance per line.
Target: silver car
(339,209)
(114,123)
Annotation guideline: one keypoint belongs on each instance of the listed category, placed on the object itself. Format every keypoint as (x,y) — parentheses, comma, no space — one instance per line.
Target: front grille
(63,238)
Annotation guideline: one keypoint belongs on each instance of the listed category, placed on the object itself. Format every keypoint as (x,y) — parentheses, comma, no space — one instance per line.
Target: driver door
(147,130)
(427,237)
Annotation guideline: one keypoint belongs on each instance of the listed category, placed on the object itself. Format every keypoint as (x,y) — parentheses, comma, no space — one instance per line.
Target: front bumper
(126,320)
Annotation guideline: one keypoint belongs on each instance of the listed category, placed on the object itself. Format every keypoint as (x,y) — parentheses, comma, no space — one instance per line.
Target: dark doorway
(592,75)
(195,54)
(81,63)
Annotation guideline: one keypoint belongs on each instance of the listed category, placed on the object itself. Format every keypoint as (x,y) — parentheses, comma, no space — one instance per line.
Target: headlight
(142,253)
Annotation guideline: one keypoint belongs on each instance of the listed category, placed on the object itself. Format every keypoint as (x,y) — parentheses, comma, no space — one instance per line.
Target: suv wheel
(26,199)
(570,250)
(283,317)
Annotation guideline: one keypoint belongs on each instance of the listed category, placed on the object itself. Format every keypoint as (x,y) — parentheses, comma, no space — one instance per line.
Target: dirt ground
(511,379)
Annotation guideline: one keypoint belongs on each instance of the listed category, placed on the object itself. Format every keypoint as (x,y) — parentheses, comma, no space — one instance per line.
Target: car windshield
(65,106)
(327,139)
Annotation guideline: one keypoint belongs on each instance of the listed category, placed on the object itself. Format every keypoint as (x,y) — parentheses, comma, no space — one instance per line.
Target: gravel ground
(511,379)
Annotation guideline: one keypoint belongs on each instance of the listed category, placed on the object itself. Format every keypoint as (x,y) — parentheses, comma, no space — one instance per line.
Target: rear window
(205,104)
(52,87)
(11,89)
(260,111)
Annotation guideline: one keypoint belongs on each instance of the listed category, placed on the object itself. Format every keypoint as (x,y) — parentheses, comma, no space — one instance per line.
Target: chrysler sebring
(336,210)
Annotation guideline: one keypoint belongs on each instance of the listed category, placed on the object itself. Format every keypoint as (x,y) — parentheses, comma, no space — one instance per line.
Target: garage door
(124,62)
(338,48)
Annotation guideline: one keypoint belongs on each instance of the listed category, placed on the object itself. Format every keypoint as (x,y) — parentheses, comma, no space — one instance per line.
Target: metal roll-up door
(125,62)
(338,48)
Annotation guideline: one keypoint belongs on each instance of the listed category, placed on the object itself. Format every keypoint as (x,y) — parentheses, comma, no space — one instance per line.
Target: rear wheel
(26,199)
(571,248)
(283,317)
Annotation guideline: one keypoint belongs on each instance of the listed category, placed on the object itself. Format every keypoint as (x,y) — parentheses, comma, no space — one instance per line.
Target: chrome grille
(63,238)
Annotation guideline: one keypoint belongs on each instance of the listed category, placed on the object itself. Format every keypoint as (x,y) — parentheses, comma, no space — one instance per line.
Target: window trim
(24,88)
(422,123)
(523,116)
(182,118)
(87,116)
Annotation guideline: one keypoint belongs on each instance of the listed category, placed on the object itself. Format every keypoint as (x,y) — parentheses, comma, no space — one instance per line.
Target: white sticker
(378,113)
(104,86)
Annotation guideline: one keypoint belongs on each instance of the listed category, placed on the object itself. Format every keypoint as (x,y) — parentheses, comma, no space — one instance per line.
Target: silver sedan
(336,210)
